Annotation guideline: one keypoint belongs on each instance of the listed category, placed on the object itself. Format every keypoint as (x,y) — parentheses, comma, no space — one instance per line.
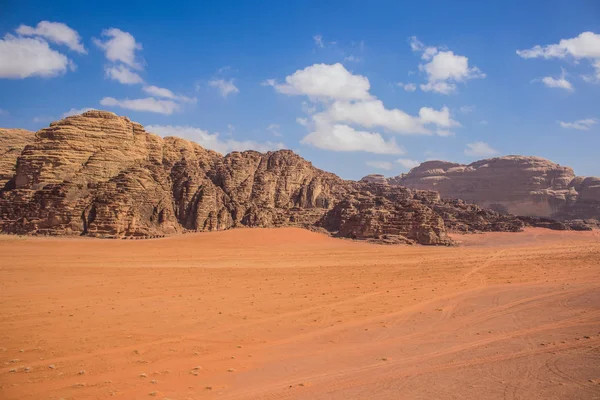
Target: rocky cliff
(98,174)
(12,143)
(528,186)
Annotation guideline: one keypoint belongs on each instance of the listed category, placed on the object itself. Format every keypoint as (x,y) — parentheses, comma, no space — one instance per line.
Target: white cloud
(75,111)
(302,121)
(480,149)
(344,104)
(352,58)
(444,132)
(467,109)
(268,82)
(149,104)
(323,81)
(440,118)
(55,32)
(27,57)
(212,140)
(582,124)
(120,46)
(560,83)
(380,165)
(444,68)
(409,87)
(407,163)
(345,138)
(318,41)
(274,129)
(584,46)
(166,94)
(122,74)
(159,92)
(225,87)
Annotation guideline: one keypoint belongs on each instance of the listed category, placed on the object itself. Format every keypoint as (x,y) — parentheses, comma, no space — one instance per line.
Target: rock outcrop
(12,143)
(527,186)
(98,174)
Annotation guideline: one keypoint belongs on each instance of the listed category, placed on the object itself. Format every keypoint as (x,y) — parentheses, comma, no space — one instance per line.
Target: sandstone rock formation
(12,143)
(98,174)
(527,186)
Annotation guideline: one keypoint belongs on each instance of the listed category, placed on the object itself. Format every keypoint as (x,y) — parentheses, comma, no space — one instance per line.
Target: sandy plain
(292,314)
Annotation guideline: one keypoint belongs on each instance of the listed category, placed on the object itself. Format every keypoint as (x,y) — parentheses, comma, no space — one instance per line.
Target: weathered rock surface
(12,143)
(527,186)
(98,174)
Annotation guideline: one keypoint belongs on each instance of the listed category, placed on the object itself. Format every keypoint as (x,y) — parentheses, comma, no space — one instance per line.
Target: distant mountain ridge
(520,185)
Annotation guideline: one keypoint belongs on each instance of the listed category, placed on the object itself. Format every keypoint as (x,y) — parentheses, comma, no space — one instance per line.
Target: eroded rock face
(12,143)
(528,186)
(102,175)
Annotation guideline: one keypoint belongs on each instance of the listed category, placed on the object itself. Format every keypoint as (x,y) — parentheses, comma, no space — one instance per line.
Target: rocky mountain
(98,174)
(527,186)
(12,143)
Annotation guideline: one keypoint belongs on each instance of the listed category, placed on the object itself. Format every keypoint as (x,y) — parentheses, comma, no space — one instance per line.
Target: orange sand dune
(291,314)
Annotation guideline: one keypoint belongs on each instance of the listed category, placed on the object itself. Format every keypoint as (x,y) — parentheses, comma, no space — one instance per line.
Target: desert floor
(291,314)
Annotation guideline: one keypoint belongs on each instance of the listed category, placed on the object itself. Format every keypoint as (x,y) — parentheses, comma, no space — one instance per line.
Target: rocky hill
(98,174)
(12,143)
(527,186)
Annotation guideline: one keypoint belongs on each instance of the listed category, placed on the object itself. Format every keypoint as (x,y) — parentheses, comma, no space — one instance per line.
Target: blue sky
(355,87)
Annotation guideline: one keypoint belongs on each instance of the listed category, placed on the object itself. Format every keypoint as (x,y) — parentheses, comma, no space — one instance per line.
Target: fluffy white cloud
(340,137)
(341,103)
(409,87)
(120,46)
(407,163)
(586,45)
(373,113)
(212,140)
(582,124)
(159,92)
(323,81)
(560,83)
(440,118)
(225,87)
(122,74)
(22,57)
(55,32)
(380,165)
(444,68)
(75,111)
(166,94)
(149,104)
(480,149)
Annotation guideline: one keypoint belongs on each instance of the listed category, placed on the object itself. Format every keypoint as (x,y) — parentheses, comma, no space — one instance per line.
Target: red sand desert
(292,314)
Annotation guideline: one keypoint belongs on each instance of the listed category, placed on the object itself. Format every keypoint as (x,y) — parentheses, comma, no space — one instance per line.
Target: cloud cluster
(344,112)
(585,46)
(581,125)
(443,68)
(28,53)
(120,49)
(225,87)
(213,141)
